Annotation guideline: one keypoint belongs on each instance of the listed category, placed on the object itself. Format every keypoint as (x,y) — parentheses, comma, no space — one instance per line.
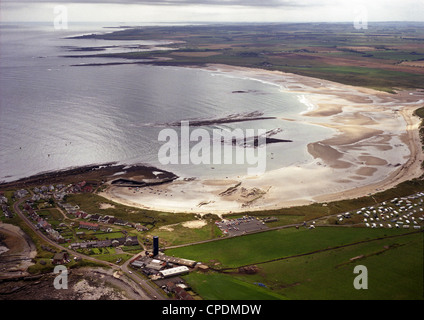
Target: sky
(151,11)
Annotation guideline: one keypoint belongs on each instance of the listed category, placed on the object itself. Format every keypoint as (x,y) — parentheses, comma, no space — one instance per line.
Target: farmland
(292,257)
(312,264)
(266,246)
(287,260)
(317,263)
(386,56)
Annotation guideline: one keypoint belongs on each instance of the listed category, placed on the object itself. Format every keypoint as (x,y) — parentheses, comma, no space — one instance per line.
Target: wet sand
(20,251)
(374,146)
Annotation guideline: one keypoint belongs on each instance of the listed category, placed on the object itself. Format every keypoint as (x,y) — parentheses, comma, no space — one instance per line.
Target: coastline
(141,174)
(375,146)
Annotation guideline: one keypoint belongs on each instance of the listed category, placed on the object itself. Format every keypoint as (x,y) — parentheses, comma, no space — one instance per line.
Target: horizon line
(214,22)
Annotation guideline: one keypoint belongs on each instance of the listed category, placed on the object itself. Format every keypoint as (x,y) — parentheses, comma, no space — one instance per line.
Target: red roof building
(89,225)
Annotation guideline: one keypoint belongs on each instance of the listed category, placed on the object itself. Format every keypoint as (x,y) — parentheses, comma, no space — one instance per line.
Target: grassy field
(371,58)
(309,212)
(177,234)
(420,112)
(306,264)
(218,286)
(91,204)
(276,244)
(394,265)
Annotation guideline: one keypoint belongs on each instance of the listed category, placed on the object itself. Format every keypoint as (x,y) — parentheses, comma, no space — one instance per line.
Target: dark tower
(155,245)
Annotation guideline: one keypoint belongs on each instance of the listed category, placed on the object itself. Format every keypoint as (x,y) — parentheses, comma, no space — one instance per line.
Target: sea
(60,110)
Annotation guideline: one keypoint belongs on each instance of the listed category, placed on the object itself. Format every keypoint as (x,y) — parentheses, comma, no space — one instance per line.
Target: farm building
(173,271)
(137,264)
(174,260)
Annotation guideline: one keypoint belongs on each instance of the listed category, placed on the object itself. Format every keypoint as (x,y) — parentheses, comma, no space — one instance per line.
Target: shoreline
(375,146)
(141,174)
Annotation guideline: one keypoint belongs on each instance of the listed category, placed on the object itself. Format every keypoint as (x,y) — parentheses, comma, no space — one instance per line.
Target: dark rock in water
(255,141)
(238,117)
(95,174)
(132,182)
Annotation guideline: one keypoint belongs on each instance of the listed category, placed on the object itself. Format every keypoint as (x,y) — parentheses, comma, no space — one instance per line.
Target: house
(43,224)
(55,235)
(170,286)
(89,225)
(3,199)
(103,219)
(120,222)
(70,209)
(61,258)
(87,189)
(20,193)
(74,246)
(181,294)
(140,227)
(78,214)
(36,197)
(6,211)
(95,217)
(102,244)
(131,241)
(59,195)
(112,220)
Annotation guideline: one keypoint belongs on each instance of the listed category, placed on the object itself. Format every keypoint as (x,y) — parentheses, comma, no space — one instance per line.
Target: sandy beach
(374,146)
(20,250)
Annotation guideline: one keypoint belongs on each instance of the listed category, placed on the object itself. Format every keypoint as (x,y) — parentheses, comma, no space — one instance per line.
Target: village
(66,224)
(100,236)
(112,239)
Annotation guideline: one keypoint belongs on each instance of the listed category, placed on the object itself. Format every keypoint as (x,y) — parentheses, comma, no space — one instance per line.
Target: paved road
(153,291)
(148,288)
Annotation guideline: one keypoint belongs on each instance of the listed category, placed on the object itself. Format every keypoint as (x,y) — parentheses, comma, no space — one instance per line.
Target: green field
(333,51)
(177,234)
(394,273)
(311,264)
(218,286)
(309,212)
(90,203)
(420,112)
(276,244)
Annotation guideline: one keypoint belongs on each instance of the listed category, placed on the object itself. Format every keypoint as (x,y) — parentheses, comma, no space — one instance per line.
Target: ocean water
(58,112)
